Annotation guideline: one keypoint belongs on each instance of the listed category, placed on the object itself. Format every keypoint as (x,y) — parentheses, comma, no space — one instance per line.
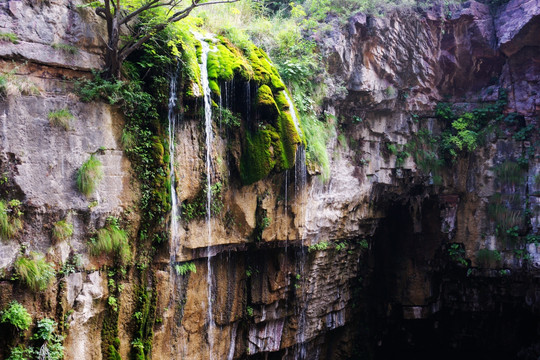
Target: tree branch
(149,5)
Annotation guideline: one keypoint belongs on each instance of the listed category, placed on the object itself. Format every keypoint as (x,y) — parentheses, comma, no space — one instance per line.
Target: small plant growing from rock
(62,230)
(111,239)
(60,118)
(323,245)
(16,315)
(183,269)
(52,347)
(70,49)
(89,175)
(34,271)
(11,37)
(10,222)
(457,254)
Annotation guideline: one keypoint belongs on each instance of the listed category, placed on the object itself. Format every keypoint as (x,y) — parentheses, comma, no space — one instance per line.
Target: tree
(121,15)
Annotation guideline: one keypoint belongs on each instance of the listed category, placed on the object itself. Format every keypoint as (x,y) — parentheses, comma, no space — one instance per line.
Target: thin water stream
(205,49)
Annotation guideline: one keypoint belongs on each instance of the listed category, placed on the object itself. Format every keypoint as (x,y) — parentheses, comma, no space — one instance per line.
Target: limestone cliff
(393,253)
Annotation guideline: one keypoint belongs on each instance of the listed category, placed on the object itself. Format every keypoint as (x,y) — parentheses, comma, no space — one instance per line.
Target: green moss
(264,71)
(225,63)
(281,101)
(289,138)
(257,156)
(266,105)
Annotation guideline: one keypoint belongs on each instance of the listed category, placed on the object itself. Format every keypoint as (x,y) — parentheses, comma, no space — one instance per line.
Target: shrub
(17,315)
(111,239)
(62,230)
(20,353)
(60,118)
(34,271)
(89,176)
(52,348)
(10,224)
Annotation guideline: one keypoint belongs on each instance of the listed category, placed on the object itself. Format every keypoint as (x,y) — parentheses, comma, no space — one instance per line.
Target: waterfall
(172,150)
(300,180)
(205,49)
(292,110)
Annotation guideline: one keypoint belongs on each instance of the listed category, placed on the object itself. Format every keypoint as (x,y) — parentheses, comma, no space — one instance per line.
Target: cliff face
(394,252)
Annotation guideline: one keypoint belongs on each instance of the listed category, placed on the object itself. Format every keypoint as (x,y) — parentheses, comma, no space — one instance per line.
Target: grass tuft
(89,176)
(66,48)
(60,118)
(111,239)
(35,271)
(11,37)
(62,230)
(10,223)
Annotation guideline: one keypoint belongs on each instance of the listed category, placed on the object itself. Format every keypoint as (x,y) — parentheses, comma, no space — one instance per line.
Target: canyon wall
(390,254)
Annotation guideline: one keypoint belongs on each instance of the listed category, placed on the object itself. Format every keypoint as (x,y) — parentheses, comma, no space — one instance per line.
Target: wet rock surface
(382,282)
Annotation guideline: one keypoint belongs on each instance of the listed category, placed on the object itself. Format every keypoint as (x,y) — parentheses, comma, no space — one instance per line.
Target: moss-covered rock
(267,108)
(224,63)
(257,156)
(270,137)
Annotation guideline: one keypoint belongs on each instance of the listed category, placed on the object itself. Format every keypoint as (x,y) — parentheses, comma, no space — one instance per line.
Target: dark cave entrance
(421,306)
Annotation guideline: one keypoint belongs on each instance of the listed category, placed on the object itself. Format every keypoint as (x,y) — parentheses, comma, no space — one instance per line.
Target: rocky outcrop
(294,269)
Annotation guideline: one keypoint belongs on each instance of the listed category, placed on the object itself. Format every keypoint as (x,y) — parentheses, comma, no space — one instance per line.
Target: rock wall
(365,263)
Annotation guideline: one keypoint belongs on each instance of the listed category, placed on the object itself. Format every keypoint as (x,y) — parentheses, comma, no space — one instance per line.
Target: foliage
(10,222)
(509,173)
(52,347)
(457,254)
(60,118)
(3,86)
(19,352)
(320,246)
(62,230)
(465,131)
(187,267)
(488,258)
(249,311)
(265,222)
(113,303)
(71,265)
(153,16)
(16,315)
(229,119)
(35,271)
(144,149)
(68,48)
(505,210)
(196,209)
(299,65)
(8,36)
(11,84)
(111,239)
(89,175)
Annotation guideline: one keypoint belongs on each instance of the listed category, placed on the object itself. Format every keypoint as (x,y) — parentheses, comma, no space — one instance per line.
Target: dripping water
(300,180)
(174,243)
(205,49)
